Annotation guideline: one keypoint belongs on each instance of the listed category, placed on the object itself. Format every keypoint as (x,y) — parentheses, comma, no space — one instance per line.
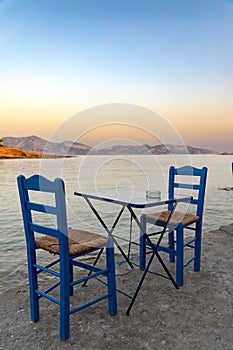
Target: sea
(83,173)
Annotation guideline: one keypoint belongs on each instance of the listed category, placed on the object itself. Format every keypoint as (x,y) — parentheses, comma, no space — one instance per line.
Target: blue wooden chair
(179,222)
(67,244)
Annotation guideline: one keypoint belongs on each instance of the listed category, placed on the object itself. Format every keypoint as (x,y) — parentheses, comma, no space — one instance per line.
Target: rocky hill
(69,148)
(156,149)
(37,144)
(7,152)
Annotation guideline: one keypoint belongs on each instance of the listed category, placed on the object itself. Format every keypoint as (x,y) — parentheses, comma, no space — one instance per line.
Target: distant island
(36,147)
(7,152)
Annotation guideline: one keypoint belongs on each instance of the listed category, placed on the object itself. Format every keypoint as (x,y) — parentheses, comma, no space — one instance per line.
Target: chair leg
(171,246)
(142,261)
(197,261)
(33,285)
(180,255)
(71,274)
(110,262)
(64,300)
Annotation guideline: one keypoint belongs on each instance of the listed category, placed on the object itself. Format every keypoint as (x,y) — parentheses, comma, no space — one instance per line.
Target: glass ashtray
(153,194)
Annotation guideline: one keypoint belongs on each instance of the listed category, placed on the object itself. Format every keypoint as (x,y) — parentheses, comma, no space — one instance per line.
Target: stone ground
(197,316)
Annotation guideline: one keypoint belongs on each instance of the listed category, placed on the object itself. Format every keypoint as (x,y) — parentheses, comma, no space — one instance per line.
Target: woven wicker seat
(185,219)
(79,242)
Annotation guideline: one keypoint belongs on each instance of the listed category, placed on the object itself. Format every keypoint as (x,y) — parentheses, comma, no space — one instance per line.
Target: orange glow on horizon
(113,132)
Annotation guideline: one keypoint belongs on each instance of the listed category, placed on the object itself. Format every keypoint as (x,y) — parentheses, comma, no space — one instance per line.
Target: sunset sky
(173,57)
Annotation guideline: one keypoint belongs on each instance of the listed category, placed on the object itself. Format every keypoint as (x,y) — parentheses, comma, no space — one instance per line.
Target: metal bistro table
(131,200)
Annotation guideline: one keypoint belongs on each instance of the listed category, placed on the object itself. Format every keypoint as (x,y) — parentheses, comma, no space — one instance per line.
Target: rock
(226,188)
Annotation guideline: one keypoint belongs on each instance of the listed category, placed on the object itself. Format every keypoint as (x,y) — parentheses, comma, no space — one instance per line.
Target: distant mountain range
(156,149)
(69,148)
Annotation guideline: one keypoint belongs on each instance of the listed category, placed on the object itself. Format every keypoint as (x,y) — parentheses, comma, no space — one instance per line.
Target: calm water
(82,173)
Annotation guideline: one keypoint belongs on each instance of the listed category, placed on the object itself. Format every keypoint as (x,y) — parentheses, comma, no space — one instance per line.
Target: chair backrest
(34,223)
(194,180)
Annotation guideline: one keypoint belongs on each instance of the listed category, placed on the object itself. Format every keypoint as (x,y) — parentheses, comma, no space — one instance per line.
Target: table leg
(155,253)
(110,231)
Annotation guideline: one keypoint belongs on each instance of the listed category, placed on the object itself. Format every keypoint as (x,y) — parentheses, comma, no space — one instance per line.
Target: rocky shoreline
(17,153)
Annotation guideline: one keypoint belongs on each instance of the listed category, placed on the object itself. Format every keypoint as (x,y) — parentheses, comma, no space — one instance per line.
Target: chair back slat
(41,208)
(188,186)
(187,170)
(39,183)
(44,230)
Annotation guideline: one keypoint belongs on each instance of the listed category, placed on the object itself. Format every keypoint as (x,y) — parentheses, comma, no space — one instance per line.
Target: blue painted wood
(41,208)
(45,269)
(89,303)
(175,248)
(66,262)
(44,230)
